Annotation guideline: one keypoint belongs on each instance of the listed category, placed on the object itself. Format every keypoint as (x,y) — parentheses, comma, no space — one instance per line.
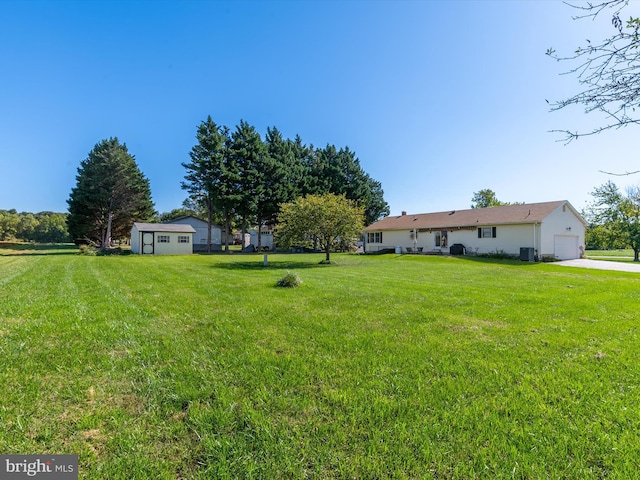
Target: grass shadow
(279,264)
(10,249)
(499,261)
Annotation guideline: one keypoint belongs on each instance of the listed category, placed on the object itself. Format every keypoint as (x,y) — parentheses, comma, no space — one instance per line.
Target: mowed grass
(375,367)
(625,255)
(15,248)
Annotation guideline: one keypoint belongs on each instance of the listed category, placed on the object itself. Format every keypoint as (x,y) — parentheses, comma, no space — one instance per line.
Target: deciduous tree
(328,220)
(486,198)
(617,215)
(9,223)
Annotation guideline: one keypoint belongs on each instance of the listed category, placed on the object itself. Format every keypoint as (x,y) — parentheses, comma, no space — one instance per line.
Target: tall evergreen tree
(283,178)
(375,207)
(304,158)
(249,154)
(111,194)
(330,170)
(205,178)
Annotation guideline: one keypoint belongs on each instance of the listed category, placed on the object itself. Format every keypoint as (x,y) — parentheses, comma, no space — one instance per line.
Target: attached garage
(161,239)
(566,247)
(542,230)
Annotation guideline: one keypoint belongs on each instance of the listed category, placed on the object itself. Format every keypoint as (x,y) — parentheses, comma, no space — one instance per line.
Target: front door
(147,243)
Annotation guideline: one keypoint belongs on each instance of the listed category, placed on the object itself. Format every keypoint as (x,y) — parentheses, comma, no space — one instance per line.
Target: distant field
(376,367)
(611,255)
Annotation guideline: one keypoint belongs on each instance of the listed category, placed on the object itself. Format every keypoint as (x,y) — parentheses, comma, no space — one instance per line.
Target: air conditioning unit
(527,254)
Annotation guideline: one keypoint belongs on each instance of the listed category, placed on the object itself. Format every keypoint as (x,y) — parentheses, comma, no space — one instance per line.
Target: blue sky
(438,99)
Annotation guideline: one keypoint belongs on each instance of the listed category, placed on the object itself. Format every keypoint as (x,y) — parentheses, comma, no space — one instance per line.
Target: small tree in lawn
(326,220)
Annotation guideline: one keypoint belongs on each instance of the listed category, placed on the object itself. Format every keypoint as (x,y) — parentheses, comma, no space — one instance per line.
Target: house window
(183,239)
(163,238)
(374,237)
(487,232)
(441,238)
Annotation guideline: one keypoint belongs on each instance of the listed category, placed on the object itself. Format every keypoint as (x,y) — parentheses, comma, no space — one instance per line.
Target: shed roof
(164,227)
(509,214)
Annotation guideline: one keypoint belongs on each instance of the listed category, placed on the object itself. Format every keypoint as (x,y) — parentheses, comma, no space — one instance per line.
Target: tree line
(233,178)
(237,178)
(614,219)
(42,227)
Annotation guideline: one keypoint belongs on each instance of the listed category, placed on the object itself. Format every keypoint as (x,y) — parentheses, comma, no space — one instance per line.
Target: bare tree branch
(608,71)
(619,174)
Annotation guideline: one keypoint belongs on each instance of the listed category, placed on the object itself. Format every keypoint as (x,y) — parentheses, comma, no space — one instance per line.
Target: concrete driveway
(601,265)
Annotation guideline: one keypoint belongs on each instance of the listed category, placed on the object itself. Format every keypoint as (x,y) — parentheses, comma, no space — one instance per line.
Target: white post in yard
(265,261)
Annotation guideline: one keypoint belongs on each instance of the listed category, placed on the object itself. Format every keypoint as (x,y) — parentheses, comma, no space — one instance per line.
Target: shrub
(87,250)
(499,255)
(289,280)
(113,251)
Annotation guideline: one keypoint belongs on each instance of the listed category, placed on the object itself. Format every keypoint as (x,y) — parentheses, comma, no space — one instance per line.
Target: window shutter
(493,232)
(479,233)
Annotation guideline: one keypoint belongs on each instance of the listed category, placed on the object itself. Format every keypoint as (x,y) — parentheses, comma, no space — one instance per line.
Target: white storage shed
(162,239)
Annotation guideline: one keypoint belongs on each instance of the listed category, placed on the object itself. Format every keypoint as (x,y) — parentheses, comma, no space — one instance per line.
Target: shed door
(147,243)
(566,247)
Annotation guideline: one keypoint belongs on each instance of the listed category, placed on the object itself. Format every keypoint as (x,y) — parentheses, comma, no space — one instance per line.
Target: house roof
(185,219)
(509,214)
(164,227)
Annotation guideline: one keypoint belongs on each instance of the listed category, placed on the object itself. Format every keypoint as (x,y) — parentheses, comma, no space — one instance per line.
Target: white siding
(135,240)
(173,247)
(390,239)
(200,237)
(509,238)
(561,223)
(560,235)
(266,239)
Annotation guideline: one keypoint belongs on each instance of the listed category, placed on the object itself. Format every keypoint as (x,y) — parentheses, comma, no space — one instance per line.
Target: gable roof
(164,227)
(193,219)
(508,214)
(184,217)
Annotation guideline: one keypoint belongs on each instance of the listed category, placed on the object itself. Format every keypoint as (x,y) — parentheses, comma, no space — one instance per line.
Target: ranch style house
(532,231)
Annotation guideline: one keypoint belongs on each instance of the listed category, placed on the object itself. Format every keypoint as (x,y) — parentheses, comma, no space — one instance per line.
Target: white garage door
(566,247)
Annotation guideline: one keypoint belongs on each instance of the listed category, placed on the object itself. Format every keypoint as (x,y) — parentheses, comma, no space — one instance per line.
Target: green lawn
(625,255)
(9,248)
(375,367)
